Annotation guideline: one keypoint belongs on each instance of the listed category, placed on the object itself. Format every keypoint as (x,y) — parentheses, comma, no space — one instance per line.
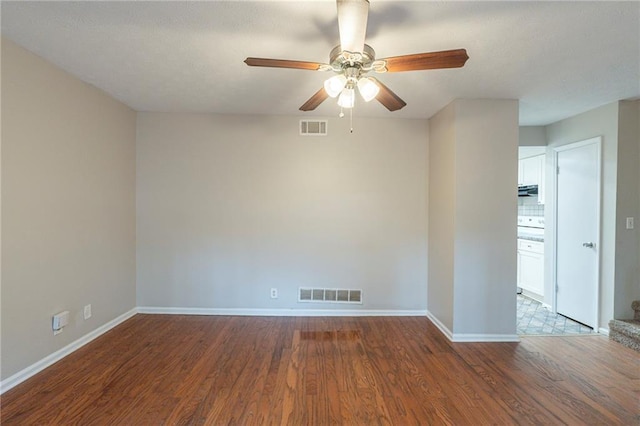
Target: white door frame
(554,235)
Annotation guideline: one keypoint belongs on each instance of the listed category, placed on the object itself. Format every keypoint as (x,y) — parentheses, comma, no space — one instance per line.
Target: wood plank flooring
(183,370)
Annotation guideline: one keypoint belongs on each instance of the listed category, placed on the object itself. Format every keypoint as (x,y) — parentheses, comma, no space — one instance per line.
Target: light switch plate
(629,223)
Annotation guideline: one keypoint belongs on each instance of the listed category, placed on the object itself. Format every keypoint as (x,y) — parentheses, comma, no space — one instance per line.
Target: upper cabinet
(531,171)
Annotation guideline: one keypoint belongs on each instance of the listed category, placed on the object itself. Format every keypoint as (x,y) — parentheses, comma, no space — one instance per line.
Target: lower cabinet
(531,266)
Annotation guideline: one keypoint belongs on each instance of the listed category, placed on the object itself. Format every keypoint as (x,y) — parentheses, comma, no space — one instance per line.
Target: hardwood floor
(157,369)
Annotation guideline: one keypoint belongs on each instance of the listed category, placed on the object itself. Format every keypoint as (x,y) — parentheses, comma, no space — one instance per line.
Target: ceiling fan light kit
(335,84)
(347,98)
(353,59)
(343,84)
(368,88)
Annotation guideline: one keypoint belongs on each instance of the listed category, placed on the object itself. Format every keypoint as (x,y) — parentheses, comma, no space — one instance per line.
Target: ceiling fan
(352,60)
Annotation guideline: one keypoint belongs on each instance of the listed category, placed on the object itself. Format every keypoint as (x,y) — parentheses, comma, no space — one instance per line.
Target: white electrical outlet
(87,311)
(629,223)
(274,293)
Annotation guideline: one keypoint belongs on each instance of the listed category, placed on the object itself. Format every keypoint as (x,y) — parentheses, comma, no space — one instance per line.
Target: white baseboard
(603,331)
(282,312)
(460,337)
(447,333)
(45,362)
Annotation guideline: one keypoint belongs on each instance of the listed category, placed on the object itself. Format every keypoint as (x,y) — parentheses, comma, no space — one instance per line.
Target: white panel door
(577,238)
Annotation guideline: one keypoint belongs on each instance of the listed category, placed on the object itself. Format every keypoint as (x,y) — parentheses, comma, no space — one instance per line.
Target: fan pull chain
(350,120)
(341,115)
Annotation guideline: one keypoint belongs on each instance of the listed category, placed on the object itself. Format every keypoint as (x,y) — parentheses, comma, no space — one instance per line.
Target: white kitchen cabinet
(531,266)
(531,171)
(541,182)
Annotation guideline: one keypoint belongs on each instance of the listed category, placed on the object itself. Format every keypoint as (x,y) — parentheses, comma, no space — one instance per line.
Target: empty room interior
(328,212)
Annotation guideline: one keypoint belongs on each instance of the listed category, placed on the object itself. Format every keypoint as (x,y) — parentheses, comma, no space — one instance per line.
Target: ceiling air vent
(313,127)
(329,295)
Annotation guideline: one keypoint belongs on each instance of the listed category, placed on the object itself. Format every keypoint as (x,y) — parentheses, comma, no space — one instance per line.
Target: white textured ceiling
(557,58)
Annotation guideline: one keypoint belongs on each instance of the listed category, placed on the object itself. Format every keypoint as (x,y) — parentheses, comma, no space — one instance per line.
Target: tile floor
(535,319)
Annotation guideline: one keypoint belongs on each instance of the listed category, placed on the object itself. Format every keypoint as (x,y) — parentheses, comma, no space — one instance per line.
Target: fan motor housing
(340,59)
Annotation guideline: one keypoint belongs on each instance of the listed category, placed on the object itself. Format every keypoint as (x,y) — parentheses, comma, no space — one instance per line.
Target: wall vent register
(313,127)
(329,295)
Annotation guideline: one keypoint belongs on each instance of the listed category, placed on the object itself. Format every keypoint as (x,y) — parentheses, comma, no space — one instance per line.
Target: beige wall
(627,274)
(231,206)
(68,207)
(442,194)
(472,218)
(486,216)
(602,121)
(532,136)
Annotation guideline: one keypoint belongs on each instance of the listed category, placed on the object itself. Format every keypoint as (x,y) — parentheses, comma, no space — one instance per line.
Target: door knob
(588,245)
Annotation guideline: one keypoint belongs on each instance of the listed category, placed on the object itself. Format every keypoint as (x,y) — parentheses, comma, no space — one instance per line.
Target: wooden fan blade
(352,24)
(282,63)
(313,102)
(427,61)
(387,98)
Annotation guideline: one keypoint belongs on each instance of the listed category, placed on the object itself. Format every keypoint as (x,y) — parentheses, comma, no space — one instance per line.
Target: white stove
(531,228)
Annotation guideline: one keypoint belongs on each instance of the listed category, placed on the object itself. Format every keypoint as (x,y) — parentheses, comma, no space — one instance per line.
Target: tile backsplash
(528,206)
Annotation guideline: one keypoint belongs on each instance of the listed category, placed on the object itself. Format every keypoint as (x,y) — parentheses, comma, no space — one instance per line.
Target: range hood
(527,190)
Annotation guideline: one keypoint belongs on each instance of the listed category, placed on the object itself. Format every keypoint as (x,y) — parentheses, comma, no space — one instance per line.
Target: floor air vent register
(329,295)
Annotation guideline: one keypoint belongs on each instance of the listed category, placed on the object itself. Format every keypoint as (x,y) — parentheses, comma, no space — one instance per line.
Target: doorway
(577,231)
